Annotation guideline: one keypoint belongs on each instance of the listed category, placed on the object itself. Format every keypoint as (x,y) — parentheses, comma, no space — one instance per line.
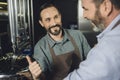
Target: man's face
(51,20)
(92,13)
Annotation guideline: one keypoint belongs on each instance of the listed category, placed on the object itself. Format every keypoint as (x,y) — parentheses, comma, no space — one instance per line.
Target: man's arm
(34,68)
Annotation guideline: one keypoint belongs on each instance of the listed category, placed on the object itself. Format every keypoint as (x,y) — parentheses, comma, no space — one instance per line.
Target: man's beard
(55,30)
(98,21)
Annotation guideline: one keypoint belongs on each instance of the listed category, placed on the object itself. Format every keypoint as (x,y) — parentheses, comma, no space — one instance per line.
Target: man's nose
(84,15)
(53,22)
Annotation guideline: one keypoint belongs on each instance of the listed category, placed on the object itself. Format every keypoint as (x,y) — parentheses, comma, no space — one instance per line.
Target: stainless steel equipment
(18,15)
(12,77)
(21,24)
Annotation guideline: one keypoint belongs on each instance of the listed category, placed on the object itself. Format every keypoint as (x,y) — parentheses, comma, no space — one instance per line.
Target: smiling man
(60,51)
(102,62)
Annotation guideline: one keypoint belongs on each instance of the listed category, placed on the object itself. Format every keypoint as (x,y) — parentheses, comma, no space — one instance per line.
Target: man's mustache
(55,26)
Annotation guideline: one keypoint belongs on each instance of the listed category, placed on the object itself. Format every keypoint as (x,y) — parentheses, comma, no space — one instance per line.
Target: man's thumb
(28,59)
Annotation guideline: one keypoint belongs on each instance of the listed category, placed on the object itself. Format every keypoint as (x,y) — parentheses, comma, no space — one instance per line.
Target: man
(102,62)
(60,50)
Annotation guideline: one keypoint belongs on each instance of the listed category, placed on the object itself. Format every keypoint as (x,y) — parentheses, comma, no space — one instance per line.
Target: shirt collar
(108,28)
(52,42)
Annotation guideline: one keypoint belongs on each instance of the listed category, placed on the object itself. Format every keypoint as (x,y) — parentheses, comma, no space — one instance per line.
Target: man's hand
(34,68)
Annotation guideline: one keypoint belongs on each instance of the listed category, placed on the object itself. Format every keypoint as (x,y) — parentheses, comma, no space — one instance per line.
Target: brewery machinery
(16,35)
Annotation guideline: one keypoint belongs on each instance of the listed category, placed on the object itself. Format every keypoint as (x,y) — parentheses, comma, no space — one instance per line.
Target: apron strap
(75,45)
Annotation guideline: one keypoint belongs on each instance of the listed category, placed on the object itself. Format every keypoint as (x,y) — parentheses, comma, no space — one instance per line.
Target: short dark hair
(47,5)
(116,3)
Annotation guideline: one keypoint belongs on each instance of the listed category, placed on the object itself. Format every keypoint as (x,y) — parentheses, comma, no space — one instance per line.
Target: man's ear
(40,22)
(108,7)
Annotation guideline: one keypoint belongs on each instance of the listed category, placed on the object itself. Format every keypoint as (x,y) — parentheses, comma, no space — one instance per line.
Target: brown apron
(64,63)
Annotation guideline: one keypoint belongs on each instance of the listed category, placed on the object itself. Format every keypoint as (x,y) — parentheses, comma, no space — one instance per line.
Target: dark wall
(5,42)
(68,10)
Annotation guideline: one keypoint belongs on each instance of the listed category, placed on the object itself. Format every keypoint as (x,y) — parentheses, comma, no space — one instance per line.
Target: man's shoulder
(42,41)
(73,32)
(72,29)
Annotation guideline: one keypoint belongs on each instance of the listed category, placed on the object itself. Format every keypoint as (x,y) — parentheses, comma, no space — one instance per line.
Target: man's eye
(47,20)
(85,9)
(56,16)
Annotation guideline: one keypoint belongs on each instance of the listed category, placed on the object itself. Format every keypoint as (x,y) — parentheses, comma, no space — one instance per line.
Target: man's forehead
(87,3)
(49,10)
